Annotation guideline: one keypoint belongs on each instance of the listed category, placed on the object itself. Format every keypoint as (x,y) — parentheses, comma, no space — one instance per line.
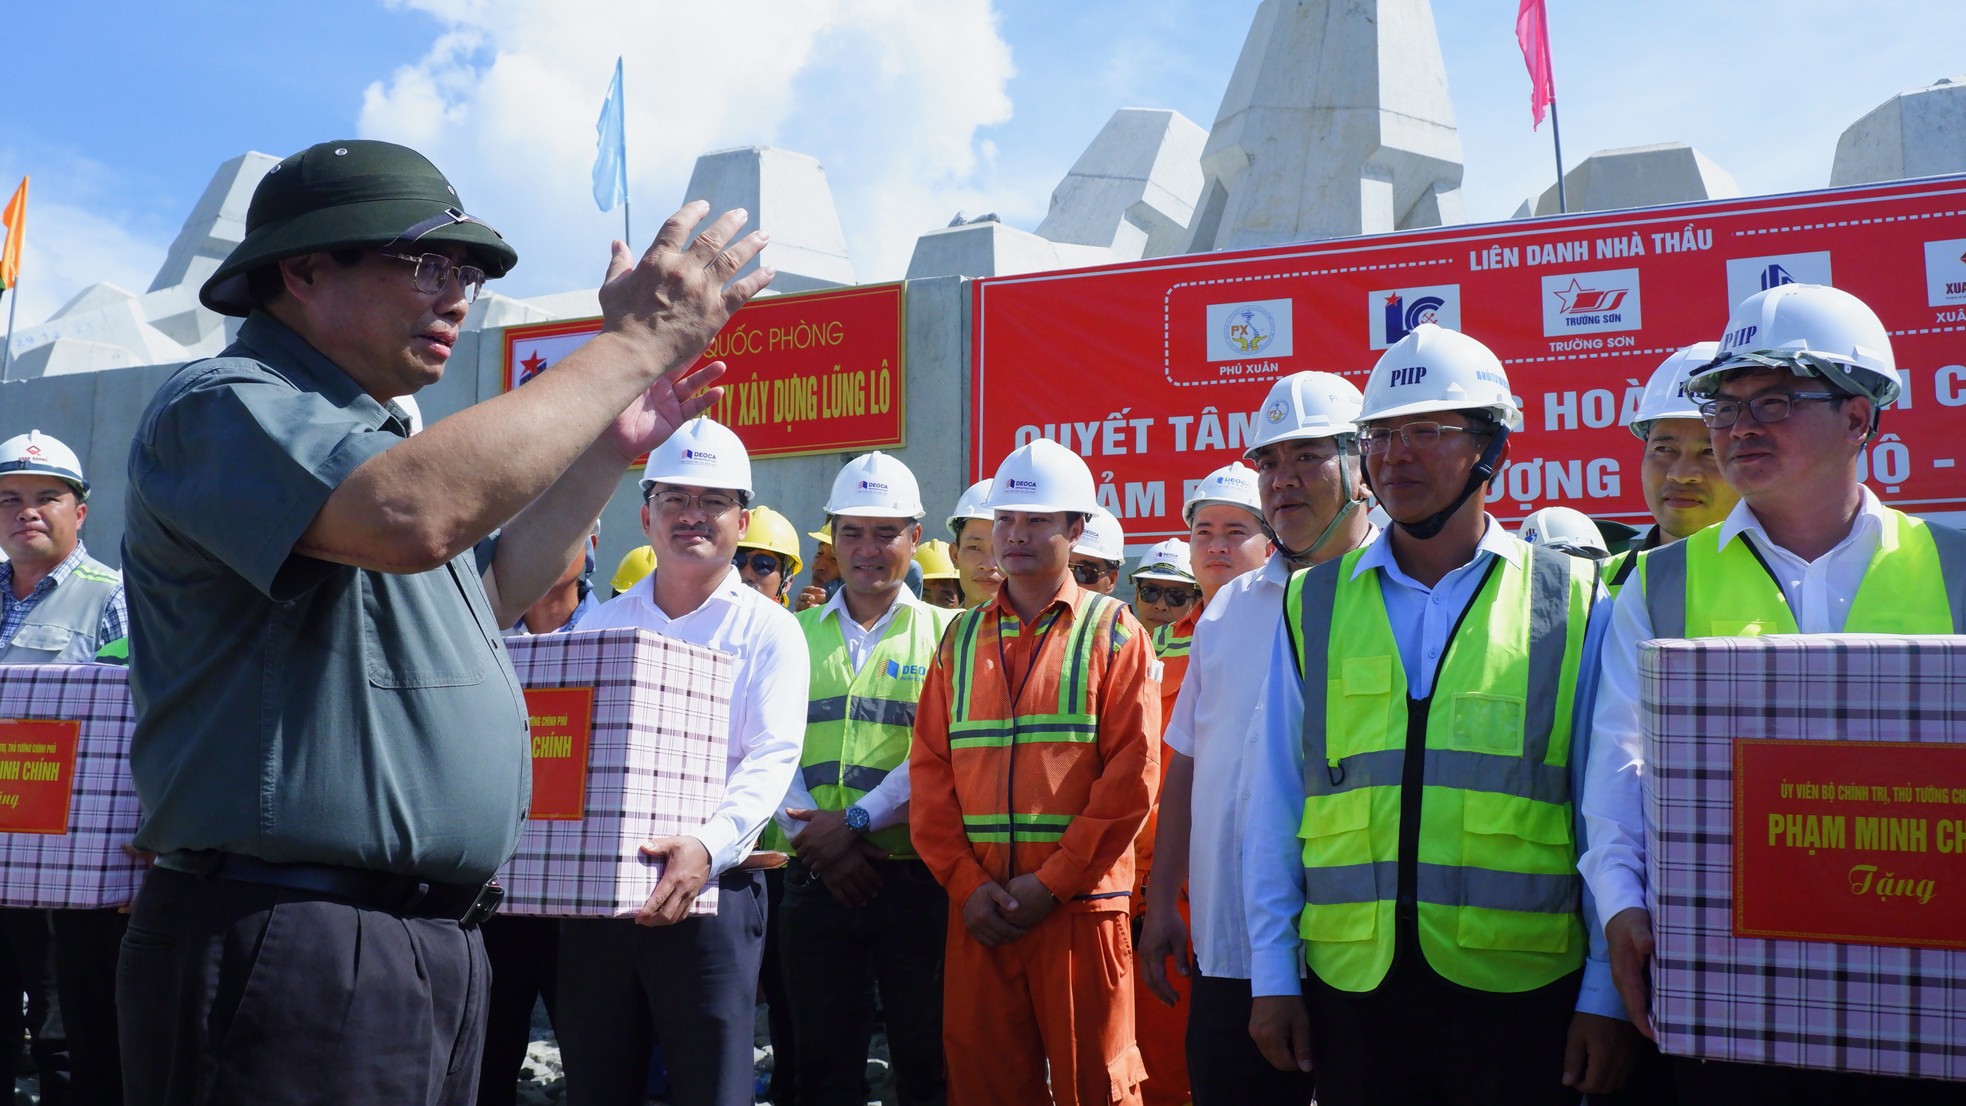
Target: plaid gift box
(83,865)
(655,766)
(1830,1001)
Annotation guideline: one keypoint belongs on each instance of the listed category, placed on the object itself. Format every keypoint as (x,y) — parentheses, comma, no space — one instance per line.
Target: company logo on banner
(1394,312)
(1945,272)
(1590,303)
(1242,330)
(1748,275)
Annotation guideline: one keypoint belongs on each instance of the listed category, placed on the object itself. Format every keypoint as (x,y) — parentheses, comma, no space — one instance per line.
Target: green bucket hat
(340,195)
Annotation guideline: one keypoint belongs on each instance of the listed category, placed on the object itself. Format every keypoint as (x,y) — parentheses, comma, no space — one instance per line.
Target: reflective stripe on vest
(859,725)
(1915,584)
(1495,883)
(1168,644)
(65,625)
(1075,720)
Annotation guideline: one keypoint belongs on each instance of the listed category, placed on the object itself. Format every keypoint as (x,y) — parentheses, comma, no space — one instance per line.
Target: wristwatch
(857,819)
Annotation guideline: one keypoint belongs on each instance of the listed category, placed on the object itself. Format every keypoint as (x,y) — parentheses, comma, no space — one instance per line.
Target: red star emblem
(533,365)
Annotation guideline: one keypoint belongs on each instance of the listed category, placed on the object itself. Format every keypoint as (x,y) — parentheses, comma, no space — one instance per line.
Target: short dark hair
(265,284)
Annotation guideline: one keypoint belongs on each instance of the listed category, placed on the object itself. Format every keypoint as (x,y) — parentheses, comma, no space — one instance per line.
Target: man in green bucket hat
(330,745)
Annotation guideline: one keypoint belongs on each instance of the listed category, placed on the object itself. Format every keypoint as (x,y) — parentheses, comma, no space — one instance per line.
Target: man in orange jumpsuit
(1034,764)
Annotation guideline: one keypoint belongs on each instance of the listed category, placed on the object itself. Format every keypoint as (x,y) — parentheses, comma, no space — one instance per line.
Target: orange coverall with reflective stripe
(1060,997)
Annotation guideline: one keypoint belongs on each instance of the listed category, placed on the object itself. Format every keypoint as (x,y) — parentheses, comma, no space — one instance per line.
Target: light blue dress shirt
(1273,865)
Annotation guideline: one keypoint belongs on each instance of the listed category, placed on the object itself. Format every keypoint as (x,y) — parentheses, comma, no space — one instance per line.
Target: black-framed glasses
(1175,595)
(1088,574)
(760,564)
(434,272)
(1719,414)
(675,503)
(1374,440)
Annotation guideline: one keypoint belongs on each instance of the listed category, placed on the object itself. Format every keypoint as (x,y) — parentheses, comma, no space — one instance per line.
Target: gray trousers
(240,993)
(693,986)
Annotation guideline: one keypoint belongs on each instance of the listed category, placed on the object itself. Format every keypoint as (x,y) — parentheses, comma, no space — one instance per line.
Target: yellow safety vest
(1489,886)
(859,725)
(1915,584)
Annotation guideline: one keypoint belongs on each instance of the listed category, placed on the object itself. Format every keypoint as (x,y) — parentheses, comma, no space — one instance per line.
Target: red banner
(1851,841)
(37,774)
(1153,370)
(562,723)
(820,372)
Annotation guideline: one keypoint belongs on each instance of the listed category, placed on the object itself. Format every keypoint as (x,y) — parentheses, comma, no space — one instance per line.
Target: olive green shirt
(289,708)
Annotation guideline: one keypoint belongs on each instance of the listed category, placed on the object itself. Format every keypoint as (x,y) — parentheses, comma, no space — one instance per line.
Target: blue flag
(611,149)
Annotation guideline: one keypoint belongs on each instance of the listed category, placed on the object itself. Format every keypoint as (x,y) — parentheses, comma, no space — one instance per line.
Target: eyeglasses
(434,271)
(1720,414)
(760,564)
(1375,440)
(1175,596)
(675,503)
(1088,575)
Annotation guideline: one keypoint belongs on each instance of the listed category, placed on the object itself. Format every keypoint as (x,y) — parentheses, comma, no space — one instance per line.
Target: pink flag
(1532,30)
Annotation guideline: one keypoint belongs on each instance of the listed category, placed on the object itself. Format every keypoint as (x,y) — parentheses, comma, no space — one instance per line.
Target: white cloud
(893,96)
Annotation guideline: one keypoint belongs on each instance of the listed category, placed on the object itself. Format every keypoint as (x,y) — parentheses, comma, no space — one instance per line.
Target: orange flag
(15,219)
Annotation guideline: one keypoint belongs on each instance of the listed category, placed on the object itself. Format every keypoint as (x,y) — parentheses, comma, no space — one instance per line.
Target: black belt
(468,903)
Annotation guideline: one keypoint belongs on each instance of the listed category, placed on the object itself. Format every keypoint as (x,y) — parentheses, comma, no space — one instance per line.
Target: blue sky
(122,110)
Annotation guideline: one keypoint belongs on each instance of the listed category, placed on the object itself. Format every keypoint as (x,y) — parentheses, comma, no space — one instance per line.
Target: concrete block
(216,225)
(1134,189)
(786,194)
(1913,134)
(1336,122)
(92,298)
(1640,176)
(992,249)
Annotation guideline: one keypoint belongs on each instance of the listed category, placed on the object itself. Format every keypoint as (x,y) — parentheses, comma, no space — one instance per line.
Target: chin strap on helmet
(1478,477)
(1345,512)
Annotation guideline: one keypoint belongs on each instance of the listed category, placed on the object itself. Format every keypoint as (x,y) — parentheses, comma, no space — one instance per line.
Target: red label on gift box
(562,721)
(37,774)
(1861,842)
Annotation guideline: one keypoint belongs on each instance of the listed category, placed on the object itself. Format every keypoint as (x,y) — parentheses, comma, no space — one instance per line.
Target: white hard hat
(1665,394)
(38,452)
(1306,405)
(1234,484)
(974,503)
(1102,538)
(1168,560)
(1810,330)
(702,454)
(1564,528)
(877,486)
(1043,476)
(1436,369)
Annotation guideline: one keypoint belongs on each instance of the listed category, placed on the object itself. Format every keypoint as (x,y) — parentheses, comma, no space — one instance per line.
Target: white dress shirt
(1210,725)
(767,704)
(887,804)
(1819,594)
(1273,864)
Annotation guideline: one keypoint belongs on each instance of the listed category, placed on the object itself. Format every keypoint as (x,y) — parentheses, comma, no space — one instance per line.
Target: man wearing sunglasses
(1792,397)
(1410,824)
(768,554)
(690,981)
(1163,585)
(327,724)
(1100,553)
(1308,496)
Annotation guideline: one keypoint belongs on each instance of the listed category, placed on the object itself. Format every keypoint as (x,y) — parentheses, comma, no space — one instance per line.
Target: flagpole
(1556,129)
(7,359)
(626,235)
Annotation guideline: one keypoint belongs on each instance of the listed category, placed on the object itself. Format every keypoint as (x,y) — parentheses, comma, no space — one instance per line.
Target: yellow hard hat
(773,533)
(639,562)
(935,560)
(823,535)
